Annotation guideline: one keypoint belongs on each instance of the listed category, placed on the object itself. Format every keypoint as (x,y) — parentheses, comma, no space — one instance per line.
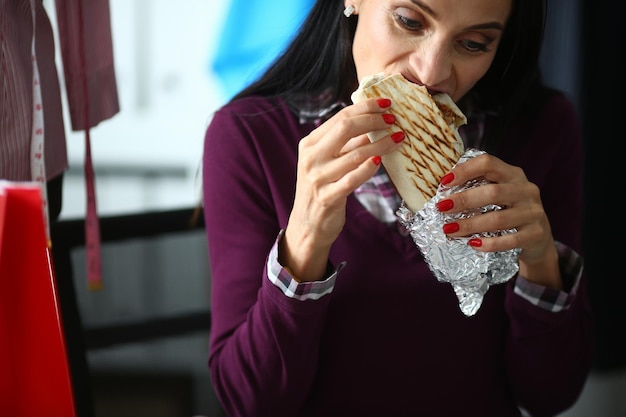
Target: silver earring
(349,11)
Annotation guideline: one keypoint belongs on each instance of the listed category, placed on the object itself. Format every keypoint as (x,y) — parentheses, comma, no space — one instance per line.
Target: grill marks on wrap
(432,153)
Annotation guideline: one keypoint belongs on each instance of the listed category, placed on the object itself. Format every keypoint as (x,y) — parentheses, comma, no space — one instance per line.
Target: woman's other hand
(523,211)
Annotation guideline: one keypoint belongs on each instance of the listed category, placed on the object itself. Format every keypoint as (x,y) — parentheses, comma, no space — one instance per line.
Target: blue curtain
(254,33)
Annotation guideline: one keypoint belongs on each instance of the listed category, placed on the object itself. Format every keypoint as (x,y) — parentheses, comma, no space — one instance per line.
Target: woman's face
(446,45)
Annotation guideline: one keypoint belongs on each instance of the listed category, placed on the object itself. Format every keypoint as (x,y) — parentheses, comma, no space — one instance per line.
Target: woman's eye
(408,23)
(474,46)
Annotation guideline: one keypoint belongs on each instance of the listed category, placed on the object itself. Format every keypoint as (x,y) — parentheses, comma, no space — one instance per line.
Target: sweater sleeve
(263,344)
(549,353)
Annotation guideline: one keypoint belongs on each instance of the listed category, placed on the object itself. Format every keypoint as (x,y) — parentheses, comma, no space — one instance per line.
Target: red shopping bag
(34,371)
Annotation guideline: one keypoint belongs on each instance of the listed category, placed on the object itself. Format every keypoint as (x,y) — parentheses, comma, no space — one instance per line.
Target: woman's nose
(432,63)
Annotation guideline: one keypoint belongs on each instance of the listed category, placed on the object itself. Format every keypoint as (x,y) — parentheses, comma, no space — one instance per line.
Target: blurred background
(176,63)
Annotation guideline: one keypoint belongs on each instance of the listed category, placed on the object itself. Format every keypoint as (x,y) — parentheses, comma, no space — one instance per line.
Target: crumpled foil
(469,271)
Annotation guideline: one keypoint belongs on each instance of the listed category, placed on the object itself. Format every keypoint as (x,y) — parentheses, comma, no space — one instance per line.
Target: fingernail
(383,103)
(447,179)
(451,228)
(389,118)
(398,137)
(445,205)
(477,243)
(377,160)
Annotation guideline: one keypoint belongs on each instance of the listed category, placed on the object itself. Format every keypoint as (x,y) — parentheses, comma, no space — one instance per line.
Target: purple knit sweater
(390,340)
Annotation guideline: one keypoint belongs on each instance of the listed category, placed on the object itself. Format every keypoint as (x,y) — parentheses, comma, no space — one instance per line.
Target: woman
(322,305)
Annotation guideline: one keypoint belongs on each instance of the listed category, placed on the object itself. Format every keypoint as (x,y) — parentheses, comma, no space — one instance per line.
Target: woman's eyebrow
(425,7)
(487,25)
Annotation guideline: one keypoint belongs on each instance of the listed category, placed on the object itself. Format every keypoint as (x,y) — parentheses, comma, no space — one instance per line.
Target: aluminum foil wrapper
(452,260)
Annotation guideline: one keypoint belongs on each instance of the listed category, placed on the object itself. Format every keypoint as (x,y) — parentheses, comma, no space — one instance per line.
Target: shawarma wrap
(432,145)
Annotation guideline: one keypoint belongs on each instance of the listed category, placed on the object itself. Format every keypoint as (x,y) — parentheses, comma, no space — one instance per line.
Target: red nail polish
(389,118)
(451,228)
(398,137)
(447,179)
(383,103)
(477,243)
(377,160)
(445,205)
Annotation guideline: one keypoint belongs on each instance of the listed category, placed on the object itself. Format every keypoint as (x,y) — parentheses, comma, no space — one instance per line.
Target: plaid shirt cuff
(571,266)
(302,291)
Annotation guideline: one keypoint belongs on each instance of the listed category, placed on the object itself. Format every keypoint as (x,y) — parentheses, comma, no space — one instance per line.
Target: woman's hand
(333,160)
(508,188)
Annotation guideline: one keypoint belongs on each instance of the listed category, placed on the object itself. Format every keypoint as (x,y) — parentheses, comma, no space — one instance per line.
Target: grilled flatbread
(432,145)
